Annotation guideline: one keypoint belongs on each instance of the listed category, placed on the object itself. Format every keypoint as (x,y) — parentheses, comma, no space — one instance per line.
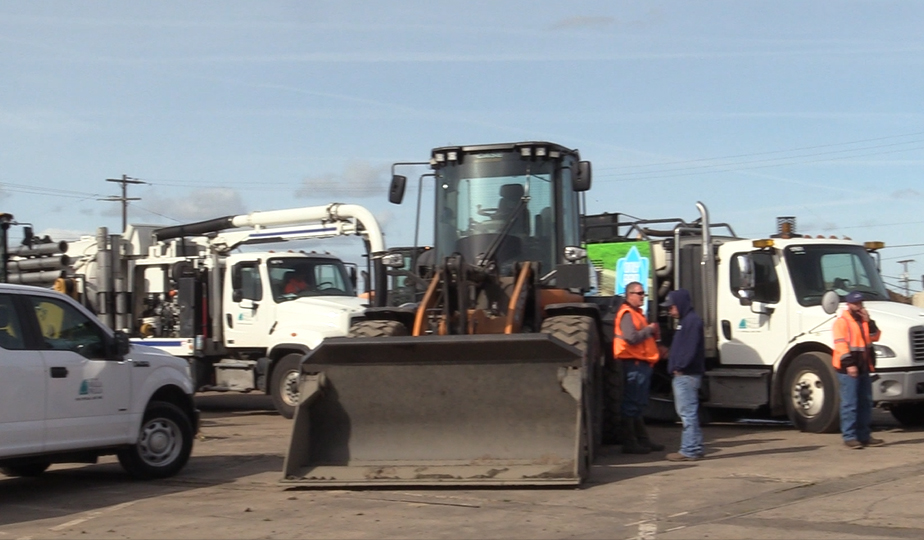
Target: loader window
(474,211)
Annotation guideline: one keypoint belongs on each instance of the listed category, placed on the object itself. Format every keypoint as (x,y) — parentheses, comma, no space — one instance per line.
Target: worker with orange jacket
(635,345)
(854,360)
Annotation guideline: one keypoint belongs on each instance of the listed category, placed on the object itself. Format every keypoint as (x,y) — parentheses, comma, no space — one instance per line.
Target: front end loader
(496,376)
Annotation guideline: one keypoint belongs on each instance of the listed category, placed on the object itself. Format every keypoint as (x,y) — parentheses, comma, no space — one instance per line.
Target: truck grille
(917,343)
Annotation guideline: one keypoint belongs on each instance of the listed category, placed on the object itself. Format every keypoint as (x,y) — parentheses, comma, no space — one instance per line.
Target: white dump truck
(244,319)
(768,305)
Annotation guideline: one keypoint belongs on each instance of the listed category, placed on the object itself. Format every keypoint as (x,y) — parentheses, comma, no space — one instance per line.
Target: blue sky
(757,109)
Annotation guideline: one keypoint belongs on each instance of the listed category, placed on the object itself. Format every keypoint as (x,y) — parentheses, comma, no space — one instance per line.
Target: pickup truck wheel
(164,443)
(811,394)
(284,386)
(26,469)
(908,414)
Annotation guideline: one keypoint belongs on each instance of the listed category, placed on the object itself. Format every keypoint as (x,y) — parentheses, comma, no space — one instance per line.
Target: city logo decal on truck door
(90,389)
(749,325)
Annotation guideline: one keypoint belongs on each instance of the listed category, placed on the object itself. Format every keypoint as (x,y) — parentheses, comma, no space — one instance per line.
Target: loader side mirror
(353,276)
(396,190)
(581,180)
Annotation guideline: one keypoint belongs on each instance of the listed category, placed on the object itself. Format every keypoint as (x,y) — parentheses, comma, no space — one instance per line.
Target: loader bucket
(444,410)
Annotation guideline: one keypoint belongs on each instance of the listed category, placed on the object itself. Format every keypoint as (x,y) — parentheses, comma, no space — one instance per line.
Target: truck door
(22,387)
(249,314)
(88,394)
(752,334)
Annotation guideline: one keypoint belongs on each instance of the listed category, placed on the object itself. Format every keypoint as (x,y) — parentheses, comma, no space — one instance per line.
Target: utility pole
(125,180)
(905,279)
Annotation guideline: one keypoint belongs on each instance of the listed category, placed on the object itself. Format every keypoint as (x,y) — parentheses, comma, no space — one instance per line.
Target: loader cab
(520,197)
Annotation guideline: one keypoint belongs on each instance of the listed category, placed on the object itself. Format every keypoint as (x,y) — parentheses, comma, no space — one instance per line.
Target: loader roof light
(540,151)
(440,157)
(452,155)
(762,243)
(574,253)
(526,151)
(873,246)
(554,154)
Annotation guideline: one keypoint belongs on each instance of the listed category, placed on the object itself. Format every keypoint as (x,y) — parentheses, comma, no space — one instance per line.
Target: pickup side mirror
(237,295)
(120,344)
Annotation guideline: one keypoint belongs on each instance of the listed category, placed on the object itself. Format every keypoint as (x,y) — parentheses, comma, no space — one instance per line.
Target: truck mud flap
(445,410)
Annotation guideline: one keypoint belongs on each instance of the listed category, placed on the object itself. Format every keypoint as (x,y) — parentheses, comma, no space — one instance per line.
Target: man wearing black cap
(686,362)
(854,359)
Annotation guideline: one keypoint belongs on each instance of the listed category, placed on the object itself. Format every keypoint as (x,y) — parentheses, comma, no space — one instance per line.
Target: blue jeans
(638,384)
(856,406)
(686,403)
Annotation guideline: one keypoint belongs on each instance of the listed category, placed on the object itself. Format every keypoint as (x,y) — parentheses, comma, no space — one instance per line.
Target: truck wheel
(908,414)
(377,329)
(164,443)
(26,469)
(284,386)
(581,333)
(811,394)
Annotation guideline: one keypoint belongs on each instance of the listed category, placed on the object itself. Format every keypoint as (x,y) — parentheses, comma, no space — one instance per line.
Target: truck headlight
(883,352)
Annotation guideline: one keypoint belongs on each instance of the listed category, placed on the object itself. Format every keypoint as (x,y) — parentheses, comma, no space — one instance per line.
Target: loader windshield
(294,277)
(815,269)
(478,200)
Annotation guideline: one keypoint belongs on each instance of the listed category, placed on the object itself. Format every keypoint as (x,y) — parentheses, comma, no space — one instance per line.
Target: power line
(125,180)
(770,152)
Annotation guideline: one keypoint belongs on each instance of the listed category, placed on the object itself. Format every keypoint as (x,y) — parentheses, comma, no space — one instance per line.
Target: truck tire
(164,443)
(26,469)
(377,329)
(581,333)
(284,384)
(811,395)
(908,414)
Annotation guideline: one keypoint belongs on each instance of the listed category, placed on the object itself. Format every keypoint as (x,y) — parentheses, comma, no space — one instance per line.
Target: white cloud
(359,179)
(197,205)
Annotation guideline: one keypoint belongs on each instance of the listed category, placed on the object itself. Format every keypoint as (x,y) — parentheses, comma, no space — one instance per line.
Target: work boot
(873,442)
(630,442)
(643,438)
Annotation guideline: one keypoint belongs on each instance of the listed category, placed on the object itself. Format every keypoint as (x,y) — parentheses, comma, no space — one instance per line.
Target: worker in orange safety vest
(635,345)
(854,360)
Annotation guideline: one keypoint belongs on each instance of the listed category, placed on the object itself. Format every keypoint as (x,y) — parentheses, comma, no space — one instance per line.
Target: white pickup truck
(72,390)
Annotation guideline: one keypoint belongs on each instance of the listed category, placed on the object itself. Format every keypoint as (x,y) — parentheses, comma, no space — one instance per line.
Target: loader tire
(377,329)
(581,333)
(613,383)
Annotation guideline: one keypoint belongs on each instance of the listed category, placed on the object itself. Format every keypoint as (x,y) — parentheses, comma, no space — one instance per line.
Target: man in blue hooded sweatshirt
(686,362)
